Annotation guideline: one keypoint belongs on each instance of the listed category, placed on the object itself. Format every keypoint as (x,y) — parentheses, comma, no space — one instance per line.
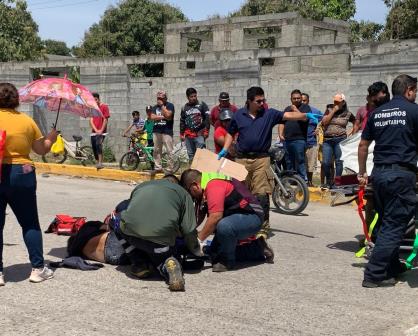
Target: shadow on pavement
(247,264)
(293,233)
(349,246)
(302,214)
(18,272)
(59,252)
(411,278)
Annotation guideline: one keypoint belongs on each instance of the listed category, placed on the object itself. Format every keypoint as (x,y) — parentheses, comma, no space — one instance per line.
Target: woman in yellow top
(18,179)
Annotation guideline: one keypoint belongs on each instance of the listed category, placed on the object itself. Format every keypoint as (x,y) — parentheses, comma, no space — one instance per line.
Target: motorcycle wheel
(296,200)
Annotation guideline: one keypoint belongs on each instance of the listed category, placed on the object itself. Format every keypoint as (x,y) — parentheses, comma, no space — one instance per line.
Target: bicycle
(141,156)
(74,151)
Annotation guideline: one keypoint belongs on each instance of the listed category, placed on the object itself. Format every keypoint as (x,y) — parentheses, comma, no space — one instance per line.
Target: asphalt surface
(313,288)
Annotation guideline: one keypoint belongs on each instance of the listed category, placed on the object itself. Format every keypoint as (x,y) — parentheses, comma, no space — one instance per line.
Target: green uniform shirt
(160,211)
(149,126)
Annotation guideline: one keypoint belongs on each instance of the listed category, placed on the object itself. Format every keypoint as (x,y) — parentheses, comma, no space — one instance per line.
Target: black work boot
(374,284)
(265,204)
(267,250)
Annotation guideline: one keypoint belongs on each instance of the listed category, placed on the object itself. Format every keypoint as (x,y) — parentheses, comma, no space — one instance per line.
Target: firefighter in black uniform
(394,128)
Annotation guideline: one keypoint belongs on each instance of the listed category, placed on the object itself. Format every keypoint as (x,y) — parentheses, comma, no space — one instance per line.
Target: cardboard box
(206,161)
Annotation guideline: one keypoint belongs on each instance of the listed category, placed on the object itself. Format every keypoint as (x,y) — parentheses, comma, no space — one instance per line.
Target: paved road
(314,288)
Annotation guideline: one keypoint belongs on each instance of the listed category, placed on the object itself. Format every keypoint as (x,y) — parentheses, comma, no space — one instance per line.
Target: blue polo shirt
(254,134)
(394,128)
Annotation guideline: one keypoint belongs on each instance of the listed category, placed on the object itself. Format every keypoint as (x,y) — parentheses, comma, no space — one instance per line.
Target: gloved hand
(223,153)
(314,117)
(199,251)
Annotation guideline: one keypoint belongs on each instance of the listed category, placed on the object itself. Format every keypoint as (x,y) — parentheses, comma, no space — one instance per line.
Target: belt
(395,166)
(252,155)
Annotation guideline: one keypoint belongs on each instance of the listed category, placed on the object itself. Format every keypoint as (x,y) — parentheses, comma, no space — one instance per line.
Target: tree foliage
(362,31)
(55,47)
(314,9)
(19,40)
(134,27)
(401,22)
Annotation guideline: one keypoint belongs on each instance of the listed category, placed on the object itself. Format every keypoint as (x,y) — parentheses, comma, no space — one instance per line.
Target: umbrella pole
(56,120)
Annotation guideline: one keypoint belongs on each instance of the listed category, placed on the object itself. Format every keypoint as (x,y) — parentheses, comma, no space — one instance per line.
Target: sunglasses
(260,101)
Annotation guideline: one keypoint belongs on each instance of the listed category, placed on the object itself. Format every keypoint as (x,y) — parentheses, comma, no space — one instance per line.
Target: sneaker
(140,271)
(175,275)
(41,274)
(267,250)
(220,267)
(99,166)
(375,284)
(2,283)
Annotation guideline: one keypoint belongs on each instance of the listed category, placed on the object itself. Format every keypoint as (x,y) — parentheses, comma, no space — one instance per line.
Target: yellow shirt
(21,132)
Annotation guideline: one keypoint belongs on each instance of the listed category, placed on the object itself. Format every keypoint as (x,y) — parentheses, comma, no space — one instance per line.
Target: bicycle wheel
(129,161)
(297,197)
(55,158)
(145,163)
(175,163)
(88,156)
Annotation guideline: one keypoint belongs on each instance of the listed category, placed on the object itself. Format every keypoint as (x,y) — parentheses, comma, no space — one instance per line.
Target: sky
(67,20)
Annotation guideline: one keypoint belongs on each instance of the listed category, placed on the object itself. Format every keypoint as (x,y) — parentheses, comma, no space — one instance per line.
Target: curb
(92,172)
(316,195)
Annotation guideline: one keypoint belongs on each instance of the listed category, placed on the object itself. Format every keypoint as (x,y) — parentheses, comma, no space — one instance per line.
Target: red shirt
(219,132)
(214,113)
(215,193)
(363,114)
(98,121)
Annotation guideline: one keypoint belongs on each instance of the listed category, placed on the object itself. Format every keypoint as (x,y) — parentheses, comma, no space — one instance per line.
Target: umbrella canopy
(60,94)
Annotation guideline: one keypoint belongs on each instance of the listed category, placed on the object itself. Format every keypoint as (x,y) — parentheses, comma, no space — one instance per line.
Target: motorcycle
(290,193)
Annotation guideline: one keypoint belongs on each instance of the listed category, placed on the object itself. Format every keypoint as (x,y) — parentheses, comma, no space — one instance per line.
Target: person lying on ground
(234,214)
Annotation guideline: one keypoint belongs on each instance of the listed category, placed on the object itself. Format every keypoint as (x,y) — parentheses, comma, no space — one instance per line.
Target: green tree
(55,47)
(401,22)
(365,31)
(314,9)
(134,27)
(19,40)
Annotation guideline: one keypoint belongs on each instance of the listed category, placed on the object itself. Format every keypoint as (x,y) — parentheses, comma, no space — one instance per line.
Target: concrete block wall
(320,70)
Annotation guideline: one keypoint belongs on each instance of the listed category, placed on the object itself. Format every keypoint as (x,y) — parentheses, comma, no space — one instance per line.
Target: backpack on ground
(66,225)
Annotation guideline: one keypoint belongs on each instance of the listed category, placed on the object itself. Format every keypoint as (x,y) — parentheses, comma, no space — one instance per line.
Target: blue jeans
(395,202)
(331,147)
(192,144)
(295,157)
(18,190)
(228,231)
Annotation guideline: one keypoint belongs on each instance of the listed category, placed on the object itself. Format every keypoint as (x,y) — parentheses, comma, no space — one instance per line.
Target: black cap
(224,96)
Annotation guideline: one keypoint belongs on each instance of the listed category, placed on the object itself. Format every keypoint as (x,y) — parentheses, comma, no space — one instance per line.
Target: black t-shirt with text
(394,128)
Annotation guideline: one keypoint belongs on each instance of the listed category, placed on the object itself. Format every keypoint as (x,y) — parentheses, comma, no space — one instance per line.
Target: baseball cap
(224,96)
(339,97)
(161,94)
(225,114)
(148,108)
